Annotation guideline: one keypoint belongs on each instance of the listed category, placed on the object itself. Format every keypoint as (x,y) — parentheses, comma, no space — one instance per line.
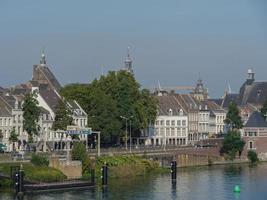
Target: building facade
(47,88)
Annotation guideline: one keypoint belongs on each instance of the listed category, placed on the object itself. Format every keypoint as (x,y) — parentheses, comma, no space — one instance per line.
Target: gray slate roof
(256,93)
(256,120)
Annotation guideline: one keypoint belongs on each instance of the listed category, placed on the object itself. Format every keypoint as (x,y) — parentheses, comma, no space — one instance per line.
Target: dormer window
(181,112)
(206,107)
(200,107)
(170,112)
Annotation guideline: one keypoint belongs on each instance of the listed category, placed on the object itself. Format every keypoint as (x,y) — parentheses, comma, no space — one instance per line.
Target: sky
(173,42)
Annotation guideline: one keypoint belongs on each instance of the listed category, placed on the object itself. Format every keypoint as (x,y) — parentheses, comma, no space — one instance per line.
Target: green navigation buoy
(237,188)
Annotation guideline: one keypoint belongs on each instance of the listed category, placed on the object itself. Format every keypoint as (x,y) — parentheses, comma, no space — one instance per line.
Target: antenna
(229,88)
(102,70)
(159,86)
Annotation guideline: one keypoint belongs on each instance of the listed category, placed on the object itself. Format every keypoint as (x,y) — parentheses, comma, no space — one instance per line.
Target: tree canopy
(114,95)
(233,119)
(232,144)
(63,116)
(13,138)
(31,113)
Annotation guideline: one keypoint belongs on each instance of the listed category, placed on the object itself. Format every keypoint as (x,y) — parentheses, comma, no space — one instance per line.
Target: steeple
(43,61)
(128,62)
(250,78)
(200,92)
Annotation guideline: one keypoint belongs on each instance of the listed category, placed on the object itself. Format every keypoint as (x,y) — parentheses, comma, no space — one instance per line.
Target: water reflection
(216,183)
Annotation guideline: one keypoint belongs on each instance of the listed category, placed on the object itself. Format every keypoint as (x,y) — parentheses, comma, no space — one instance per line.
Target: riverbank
(33,173)
(126,166)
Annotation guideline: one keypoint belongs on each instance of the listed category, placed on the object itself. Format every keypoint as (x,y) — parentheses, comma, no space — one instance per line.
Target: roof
(256,120)
(50,97)
(43,110)
(228,98)
(165,103)
(5,109)
(42,74)
(254,93)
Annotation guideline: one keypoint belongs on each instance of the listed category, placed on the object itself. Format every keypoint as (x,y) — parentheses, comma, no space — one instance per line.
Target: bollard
(104,175)
(173,169)
(18,181)
(21,181)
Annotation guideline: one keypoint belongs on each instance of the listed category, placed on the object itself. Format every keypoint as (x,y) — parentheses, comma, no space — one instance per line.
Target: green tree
(252,156)
(1,135)
(232,144)
(114,95)
(31,113)
(264,110)
(63,117)
(79,152)
(13,138)
(233,119)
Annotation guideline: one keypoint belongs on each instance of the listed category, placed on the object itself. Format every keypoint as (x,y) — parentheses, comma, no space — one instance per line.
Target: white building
(171,125)
(46,86)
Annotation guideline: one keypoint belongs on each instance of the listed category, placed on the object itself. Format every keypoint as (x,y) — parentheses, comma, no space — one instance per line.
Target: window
(183,131)
(183,123)
(181,112)
(173,123)
(162,122)
(178,131)
(250,145)
(172,131)
(156,131)
(178,122)
(157,122)
(162,131)
(167,131)
(170,112)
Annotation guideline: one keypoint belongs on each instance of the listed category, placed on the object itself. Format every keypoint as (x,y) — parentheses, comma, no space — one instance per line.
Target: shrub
(252,156)
(39,160)
(79,152)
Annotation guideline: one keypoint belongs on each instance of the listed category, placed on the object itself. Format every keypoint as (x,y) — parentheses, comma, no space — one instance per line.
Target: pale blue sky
(171,41)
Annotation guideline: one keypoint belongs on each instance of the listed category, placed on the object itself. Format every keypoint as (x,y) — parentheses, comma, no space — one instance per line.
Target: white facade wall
(169,130)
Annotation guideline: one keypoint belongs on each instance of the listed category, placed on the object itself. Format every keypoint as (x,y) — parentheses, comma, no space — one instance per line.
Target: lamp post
(125,131)
(130,135)
(126,135)
(98,142)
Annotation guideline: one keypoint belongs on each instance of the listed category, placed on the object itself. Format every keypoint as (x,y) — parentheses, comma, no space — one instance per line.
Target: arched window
(250,145)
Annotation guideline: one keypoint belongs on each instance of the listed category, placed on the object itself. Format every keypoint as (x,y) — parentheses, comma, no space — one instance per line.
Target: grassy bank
(125,166)
(35,173)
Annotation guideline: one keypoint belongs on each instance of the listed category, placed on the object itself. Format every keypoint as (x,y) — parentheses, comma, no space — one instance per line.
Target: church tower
(251,77)
(128,62)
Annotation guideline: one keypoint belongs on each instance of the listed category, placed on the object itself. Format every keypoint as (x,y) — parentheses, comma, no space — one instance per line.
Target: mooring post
(173,169)
(104,174)
(21,181)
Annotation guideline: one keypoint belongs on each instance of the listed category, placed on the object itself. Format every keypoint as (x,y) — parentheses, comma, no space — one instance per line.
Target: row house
(47,88)
(171,125)
(201,117)
(254,133)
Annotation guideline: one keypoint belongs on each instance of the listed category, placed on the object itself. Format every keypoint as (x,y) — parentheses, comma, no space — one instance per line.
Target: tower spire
(128,62)
(43,61)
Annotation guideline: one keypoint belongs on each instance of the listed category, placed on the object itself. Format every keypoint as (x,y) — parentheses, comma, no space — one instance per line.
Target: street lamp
(126,135)
(130,134)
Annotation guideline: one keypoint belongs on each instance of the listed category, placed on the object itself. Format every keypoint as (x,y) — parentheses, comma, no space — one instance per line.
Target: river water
(203,183)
